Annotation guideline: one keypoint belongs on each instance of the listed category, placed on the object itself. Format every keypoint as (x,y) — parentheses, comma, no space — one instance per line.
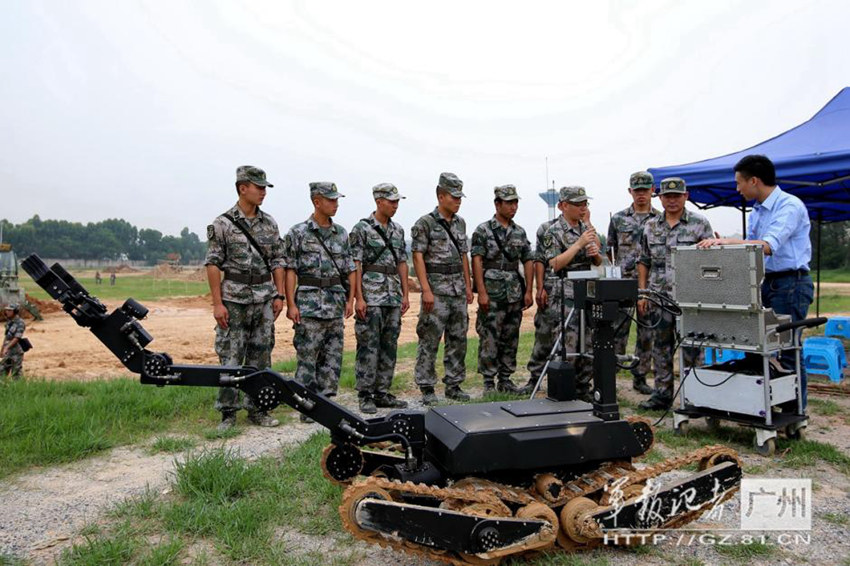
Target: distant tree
(835,245)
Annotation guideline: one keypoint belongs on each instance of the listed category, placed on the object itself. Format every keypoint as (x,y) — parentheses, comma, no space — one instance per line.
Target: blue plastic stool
(824,356)
(719,356)
(838,326)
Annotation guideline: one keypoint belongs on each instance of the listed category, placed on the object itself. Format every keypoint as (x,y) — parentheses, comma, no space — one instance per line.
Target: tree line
(835,245)
(113,239)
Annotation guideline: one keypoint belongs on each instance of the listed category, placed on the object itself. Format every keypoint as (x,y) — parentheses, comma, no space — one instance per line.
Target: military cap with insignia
(506,192)
(641,180)
(672,185)
(325,189)
(450,183)
(252,175)
(386,191)
(573,194)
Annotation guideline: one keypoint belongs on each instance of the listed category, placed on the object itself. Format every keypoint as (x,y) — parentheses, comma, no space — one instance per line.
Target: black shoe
(528,387)
(262,418)
(586,397)
(656,403)
(305,419)
(389,401)
(639,384)
(507,386)
(429,397)
(456,393)
(367,405)
(489,386)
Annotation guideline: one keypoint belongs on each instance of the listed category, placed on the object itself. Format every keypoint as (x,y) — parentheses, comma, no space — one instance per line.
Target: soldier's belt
(388,269)
(501,265)
(444,268)
(319,281)
(248,278)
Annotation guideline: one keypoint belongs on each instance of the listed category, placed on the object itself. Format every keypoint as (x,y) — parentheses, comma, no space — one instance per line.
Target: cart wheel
(682,429)
(766,449)
(795,433)
(713,423)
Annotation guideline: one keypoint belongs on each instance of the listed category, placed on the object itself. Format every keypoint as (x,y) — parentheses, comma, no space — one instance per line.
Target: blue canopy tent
(812,162)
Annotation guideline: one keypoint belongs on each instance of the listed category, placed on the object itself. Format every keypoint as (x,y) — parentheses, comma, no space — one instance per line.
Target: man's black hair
(757,166)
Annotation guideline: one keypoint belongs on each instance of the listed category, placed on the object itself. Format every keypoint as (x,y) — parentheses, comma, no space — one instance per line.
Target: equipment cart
(719,293)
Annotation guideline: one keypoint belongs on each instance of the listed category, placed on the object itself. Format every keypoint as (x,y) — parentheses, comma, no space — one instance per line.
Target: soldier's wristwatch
(279,296)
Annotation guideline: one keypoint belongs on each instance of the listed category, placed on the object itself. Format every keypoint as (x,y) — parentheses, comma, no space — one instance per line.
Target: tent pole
(817,301)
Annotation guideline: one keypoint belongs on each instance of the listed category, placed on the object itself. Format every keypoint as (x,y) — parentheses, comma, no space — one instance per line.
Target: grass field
(142,287)
(832,275)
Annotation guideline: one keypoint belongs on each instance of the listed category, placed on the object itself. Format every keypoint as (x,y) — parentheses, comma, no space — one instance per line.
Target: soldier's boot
(262,418)
(428,396)
(507,386)
(528,387)
(389,401)
(455,393)
(367,403)
(585,396)
(228,421)
(489,385)
(305,419)
(639,384)
(657,402)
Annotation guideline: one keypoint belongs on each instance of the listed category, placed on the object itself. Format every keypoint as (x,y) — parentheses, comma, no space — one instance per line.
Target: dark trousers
(790,294)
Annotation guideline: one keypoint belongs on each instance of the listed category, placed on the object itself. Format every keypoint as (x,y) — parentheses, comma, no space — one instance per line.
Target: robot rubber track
(464,484)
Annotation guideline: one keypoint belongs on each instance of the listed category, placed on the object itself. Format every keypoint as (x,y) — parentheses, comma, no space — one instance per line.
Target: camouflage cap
(450,183)
(641,180)
(325,189)
(252,175)
(387,191)
(672,185)
(573,195)
(506,192)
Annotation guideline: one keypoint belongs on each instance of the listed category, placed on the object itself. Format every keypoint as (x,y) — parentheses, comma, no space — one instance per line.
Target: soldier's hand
(222,317)
(542,298)
(469,296)
(293,314)
(587,237)
(405,305)
(349,308)
(360,309)
(484,301)
(643,306)
(592,249)
(428,301)
(277,307)
(528,300)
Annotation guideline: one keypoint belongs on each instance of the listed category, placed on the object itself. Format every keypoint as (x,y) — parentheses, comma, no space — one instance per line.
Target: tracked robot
(464,484)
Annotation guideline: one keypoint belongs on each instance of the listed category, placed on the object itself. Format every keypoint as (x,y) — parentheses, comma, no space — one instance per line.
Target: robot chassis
(463,484)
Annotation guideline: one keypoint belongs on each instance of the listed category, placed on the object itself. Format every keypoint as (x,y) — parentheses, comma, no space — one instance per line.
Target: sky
(142,110)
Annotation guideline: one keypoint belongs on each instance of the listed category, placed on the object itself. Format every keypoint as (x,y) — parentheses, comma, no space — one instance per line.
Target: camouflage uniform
(320,296)
(556,240)
(624,237)
(657,243)
(498,327)
(377,334)
(449,315)
(544,334)
(249,336)
(14,360)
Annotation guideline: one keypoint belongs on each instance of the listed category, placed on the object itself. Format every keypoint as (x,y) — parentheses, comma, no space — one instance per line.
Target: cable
(682,379)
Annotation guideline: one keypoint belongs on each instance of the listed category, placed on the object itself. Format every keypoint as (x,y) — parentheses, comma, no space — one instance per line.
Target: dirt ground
(183,327)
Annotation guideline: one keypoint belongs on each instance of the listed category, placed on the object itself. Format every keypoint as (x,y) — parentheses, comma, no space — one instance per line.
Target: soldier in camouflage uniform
(12,353)
(249,298)
(439,246)
(544,336)
(380,254)
(325,291)
(570,245)
(624,236)
(500,249)
(676,227)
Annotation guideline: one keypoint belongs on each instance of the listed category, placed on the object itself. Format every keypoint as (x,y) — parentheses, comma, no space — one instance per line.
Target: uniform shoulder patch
(210,232)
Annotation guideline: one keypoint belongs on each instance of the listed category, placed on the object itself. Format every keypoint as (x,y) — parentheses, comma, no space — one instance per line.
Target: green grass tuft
(837,518)
(171,444)
(742,552)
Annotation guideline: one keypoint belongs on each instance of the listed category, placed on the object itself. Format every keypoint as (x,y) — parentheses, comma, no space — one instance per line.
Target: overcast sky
(143,110)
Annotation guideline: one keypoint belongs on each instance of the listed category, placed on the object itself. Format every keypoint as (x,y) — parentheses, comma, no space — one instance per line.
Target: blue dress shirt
(783,222)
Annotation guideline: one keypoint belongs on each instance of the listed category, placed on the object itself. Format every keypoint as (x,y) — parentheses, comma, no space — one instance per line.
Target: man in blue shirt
(780,224)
